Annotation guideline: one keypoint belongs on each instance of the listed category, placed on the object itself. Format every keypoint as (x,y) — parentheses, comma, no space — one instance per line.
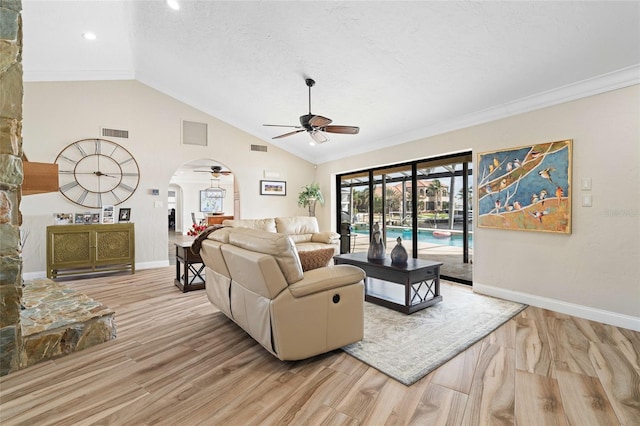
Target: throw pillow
(313,259)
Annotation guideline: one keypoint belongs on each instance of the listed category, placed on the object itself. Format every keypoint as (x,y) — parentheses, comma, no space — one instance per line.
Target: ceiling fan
(316,125)
(215,171)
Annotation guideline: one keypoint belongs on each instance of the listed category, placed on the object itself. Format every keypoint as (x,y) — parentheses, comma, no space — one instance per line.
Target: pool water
(424,236)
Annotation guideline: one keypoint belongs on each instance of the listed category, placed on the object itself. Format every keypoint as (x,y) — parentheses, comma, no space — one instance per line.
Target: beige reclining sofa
(256,278)
(303,230)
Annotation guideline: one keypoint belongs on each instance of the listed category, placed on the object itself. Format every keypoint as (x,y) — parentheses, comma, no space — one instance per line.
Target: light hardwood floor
(176,361)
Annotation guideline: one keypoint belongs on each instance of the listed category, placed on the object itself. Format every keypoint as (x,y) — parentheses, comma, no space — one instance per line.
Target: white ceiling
(399,70)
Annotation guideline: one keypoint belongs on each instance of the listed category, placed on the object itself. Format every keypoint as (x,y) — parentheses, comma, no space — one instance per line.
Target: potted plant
(309,195)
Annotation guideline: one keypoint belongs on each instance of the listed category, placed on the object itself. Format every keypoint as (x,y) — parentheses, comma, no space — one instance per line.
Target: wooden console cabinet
(85,249)
(217,220)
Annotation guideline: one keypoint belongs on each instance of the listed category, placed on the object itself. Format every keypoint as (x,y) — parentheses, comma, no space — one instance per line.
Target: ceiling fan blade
(288,134)
(319,121)
(282,125)
(347,130)
(318,136)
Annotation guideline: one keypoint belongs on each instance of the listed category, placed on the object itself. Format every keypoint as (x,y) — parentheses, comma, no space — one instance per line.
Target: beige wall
(595,271)
(57,114)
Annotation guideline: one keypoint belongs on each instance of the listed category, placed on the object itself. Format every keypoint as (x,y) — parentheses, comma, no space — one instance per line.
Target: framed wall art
(273,187)
(211,200)
(526,188)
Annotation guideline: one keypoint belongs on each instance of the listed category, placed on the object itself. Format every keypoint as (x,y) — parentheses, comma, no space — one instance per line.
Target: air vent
(261,148)
(194,133)
(115,133)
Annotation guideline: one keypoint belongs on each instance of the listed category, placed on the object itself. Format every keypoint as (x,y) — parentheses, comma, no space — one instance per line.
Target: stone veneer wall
(11,91)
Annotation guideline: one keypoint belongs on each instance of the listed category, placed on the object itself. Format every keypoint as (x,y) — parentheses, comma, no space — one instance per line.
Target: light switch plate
(586,184)
(586,200)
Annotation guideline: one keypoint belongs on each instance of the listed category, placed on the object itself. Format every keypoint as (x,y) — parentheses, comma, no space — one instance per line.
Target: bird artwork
(546,173)
(526,180)
(534,198)
(559,193)
(543,195)
(534,154)
(538,214)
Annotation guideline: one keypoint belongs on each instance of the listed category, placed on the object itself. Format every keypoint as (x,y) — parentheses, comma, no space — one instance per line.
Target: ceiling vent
(261,148)
(115,133)
(194,133)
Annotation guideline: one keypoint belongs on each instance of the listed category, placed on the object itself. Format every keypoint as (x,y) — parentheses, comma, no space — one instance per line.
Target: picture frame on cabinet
(63,218)
(108,214)
(124,214)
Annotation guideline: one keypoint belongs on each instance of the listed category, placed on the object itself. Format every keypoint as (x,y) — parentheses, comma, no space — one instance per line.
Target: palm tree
(435,188)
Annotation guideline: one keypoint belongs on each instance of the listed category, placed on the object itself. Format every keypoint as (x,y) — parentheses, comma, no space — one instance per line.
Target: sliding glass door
(426,203)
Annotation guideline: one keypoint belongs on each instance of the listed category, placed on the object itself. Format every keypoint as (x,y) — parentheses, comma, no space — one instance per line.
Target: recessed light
(173,4)
(89,36)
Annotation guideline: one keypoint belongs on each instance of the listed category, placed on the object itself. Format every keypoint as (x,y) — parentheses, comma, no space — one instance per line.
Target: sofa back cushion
(267,224)
(280,246)
(299,228)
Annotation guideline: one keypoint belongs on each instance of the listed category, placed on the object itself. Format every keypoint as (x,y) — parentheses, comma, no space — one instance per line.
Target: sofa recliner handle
(336,298)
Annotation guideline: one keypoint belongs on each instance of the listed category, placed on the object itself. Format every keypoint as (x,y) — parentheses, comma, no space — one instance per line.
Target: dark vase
(399,254)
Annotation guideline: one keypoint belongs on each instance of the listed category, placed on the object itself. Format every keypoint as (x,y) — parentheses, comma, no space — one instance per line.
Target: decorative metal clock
(97,172)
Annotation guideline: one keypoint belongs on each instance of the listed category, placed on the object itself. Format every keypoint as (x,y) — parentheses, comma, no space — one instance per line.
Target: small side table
(192,265)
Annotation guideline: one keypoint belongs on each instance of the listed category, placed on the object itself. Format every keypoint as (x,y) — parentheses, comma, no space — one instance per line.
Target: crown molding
(615,80)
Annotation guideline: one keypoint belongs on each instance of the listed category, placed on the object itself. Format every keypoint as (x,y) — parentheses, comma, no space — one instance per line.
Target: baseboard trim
(152,265)
(607,317)
(27,276)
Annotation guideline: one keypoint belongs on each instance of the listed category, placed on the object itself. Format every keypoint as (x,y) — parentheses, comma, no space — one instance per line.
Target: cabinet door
(114,244)
(70,247)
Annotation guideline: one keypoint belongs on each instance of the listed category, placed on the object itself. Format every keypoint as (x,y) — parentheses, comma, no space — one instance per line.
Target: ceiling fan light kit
(316,125)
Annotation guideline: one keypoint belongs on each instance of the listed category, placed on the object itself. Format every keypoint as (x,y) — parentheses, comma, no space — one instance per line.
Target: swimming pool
(424,236)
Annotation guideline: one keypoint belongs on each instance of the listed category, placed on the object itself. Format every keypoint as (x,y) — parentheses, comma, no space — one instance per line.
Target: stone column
(11,175)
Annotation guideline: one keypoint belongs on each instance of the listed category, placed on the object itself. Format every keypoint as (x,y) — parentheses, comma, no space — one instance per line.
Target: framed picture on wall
(526,188)
(273,187)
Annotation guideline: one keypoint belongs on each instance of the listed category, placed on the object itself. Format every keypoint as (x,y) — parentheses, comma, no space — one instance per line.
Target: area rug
(408,347)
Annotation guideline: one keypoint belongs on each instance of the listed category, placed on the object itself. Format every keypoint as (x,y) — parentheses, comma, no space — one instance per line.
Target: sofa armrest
(327,278)
(327,237)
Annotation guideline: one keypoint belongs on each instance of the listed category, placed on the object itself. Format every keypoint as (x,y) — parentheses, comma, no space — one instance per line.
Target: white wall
(57,114)
(595,271)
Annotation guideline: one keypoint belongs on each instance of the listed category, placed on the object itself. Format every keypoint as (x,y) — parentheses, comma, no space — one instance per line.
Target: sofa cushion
(314,259)
(267,224)
(327,237)
(297,225)
(278,245)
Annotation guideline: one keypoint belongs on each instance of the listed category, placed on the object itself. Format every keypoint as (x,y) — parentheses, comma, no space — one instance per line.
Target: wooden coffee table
(405,289)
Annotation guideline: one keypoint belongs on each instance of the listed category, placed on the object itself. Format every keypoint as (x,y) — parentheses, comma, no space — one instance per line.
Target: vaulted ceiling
(398,70)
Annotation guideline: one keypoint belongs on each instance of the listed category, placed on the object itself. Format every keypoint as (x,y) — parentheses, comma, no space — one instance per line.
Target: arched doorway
(190,189)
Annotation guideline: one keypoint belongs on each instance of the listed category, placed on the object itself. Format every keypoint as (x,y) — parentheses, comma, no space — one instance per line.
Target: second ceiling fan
(316,125)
